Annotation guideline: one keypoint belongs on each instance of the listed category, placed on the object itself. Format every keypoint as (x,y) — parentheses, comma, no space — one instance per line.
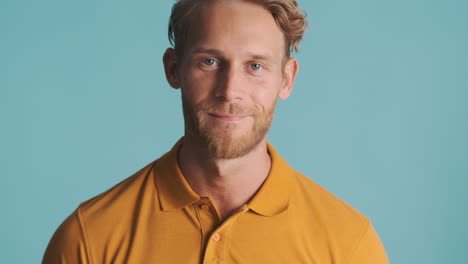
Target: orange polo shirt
(155,217)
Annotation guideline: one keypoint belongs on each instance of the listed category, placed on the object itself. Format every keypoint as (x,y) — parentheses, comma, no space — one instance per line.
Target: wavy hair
(289,17)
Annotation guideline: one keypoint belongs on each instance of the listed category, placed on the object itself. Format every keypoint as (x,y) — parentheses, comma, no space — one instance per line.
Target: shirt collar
(273,196)
(175,192)
(173,189)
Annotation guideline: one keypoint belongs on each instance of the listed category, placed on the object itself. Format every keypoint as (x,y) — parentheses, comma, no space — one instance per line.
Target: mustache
(226,108)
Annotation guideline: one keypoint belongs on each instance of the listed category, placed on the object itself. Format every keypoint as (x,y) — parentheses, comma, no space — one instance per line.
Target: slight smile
(227,117)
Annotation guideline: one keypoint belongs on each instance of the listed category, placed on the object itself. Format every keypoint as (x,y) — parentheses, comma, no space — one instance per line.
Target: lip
(225,117)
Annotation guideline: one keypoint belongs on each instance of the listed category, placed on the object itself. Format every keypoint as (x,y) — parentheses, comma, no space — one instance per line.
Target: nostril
(221,98)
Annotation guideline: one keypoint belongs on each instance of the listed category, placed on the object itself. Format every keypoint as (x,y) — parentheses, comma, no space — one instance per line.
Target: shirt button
(216,237)
(205,207)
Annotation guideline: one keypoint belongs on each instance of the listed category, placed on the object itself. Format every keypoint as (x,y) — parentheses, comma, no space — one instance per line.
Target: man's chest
(195,236)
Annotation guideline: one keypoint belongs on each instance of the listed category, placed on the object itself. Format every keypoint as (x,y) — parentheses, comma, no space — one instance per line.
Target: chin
(230,146)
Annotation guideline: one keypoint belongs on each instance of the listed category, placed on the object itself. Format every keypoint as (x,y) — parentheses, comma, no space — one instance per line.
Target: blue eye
(209,62)
(255,66)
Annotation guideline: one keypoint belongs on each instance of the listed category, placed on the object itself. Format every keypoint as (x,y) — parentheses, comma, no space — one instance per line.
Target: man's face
(231,76)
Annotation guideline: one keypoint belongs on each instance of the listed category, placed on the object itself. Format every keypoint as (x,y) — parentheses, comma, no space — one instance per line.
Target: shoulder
(119,194)
(95,221)
(309,193)
(68,244)
(341,226)
(318,207)
(118,202)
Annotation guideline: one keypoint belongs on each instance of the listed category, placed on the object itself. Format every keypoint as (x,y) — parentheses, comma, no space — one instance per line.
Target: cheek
(196,85)
(266,91)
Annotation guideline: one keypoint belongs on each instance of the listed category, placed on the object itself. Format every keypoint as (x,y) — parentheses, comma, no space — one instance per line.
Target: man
(222,194)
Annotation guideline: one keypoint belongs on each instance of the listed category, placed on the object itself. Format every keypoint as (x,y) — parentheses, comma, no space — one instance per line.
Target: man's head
(231,59)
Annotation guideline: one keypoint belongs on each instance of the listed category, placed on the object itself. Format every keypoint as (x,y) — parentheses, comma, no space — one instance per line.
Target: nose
(230,84)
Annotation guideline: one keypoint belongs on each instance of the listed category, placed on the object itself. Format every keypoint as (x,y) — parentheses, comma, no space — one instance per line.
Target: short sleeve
(67,245)
(369,250)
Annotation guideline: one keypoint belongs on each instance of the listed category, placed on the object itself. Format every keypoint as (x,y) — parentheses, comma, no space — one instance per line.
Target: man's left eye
(255,66)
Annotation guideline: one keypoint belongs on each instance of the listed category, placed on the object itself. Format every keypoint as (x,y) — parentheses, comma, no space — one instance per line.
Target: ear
(290,71)
(170,67)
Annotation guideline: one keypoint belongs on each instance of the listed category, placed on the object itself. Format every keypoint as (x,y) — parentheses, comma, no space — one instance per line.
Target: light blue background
(378,116)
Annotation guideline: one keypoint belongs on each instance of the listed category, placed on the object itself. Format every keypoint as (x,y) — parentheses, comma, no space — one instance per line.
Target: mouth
(227,117)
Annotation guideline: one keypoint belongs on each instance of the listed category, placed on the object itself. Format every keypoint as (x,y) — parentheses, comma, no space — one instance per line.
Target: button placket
(208,222)
(217,246)
(216,249)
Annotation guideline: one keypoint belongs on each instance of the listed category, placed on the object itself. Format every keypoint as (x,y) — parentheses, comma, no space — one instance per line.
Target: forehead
(236,27)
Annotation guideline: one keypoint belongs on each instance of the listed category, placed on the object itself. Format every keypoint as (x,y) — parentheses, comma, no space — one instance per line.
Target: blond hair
(288,16)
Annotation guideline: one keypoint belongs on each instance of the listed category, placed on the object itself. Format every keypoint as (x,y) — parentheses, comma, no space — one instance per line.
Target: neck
(230,183)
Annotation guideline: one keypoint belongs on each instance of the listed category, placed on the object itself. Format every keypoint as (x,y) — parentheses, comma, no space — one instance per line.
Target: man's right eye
(209,62)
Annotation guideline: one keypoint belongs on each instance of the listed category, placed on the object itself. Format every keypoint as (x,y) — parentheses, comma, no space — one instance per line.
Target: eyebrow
(256,56)
(209,51)
(250,54)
